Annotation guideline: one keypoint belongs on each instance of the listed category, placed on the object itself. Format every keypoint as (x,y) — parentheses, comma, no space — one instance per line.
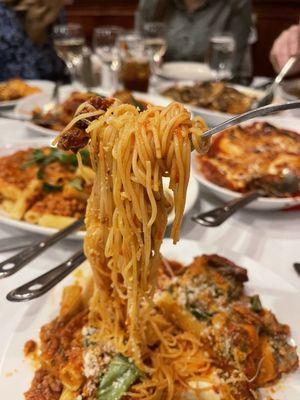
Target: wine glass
(155,42)
(104,41)
(220,56)
(69,42)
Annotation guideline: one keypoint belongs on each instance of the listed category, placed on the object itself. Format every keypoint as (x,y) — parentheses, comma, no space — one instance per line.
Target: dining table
(271,238)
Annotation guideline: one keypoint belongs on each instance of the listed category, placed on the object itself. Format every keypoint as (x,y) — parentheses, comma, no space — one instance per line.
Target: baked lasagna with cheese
(238,157)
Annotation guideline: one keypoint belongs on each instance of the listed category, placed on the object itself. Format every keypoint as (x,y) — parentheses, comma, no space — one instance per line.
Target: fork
(65,268)
(15,263)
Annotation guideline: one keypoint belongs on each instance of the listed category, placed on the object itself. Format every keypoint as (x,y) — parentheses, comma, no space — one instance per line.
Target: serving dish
(211,117)
(27,106)
(262,203)
(45,87)
(275,293)
(5,218)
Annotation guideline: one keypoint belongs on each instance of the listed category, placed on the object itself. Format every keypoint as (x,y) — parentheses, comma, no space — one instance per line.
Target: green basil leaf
(121,374)
(48,187)
(199,314)
(40,173)
(256,303)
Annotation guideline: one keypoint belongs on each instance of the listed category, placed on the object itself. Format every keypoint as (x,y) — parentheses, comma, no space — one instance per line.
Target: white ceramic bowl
(262,203)
(211,117)
(285,91)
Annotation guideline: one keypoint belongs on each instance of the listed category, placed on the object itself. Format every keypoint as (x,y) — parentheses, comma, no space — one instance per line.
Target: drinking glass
(135,70)
(155,42)
(69,42)
(104,41)
(220,56)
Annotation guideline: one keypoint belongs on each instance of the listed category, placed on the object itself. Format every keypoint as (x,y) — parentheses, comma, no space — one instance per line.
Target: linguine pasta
(126,217)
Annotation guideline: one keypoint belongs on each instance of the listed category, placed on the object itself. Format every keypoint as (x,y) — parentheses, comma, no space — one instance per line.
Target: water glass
(135,69)
(104,45)
(155,42)
(220,55)
(69,42)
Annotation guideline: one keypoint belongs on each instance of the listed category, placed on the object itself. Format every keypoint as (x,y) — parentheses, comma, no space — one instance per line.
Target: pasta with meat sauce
(143,327)
(234,344)
(44,186)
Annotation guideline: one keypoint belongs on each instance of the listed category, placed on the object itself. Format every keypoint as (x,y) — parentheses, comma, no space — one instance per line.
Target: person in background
(191,23)
(285,46)
(26,49)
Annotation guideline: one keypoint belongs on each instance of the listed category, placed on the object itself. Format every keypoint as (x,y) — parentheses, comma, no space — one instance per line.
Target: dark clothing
(20,57)
(188,33)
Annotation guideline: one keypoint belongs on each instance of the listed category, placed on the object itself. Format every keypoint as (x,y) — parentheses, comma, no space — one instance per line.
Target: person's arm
(240,25)
(285,46)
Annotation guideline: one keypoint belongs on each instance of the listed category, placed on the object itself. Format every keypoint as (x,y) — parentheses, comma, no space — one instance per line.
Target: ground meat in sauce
(11,170)
(44,387)
(56,204)
(30,347)
(76,137)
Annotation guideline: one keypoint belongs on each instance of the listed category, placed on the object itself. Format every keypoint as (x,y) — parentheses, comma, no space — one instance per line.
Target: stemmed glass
(155,42)
(104,45)
(69,42)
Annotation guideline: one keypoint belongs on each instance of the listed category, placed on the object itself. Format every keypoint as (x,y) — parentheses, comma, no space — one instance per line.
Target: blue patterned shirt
(20,57)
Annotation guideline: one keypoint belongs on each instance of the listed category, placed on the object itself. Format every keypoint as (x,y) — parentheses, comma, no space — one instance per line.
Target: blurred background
(270,18)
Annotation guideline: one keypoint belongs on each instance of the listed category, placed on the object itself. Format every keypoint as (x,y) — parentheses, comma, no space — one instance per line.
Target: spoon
(267,186)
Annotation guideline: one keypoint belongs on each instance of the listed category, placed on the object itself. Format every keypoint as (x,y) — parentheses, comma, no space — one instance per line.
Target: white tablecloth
(271,238)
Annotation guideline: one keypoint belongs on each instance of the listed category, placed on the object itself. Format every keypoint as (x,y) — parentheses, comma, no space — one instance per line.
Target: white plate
(44,85)
(192,193)
(211,117)
(28,104)
(275,293)
(180,70)
(283,91)
(262,203)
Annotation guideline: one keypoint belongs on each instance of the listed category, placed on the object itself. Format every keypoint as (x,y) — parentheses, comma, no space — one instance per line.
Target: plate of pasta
(42,189)
(13,90)
(214,101)
(228,297)
(52,121)
(240,156)
(152,320)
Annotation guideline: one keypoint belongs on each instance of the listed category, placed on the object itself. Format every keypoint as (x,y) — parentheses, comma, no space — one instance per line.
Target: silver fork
(51,278)
(268,97)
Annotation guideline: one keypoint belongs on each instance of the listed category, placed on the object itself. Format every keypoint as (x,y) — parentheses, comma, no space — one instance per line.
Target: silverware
(15,243)
(42,284)
(297,267)
(268,97)
(17,262)
(259,112)
(289,183)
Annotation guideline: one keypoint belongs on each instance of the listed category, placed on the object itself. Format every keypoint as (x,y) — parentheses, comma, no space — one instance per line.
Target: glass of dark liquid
(135,71)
